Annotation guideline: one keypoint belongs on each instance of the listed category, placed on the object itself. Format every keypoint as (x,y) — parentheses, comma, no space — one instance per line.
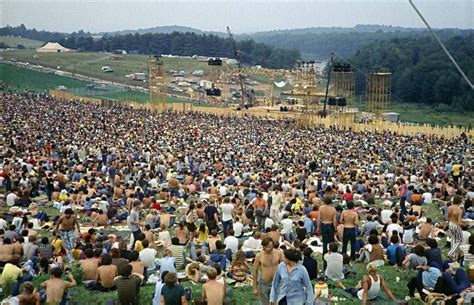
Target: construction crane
(241,74)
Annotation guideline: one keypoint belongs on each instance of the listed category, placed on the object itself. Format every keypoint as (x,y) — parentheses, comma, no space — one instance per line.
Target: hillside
(421,71)
(317,43)
(166,29)
(13,42)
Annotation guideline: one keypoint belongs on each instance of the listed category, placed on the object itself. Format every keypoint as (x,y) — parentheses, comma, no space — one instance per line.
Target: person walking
(65,227)
(290,277)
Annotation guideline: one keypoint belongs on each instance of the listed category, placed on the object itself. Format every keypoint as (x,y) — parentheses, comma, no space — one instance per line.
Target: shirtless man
(65,225)
(106,273)
(213,292)
(6,251)
(327,219)
(274,234)
(454,217)
(56,287)
(267,261)
(349,218)
(89,266)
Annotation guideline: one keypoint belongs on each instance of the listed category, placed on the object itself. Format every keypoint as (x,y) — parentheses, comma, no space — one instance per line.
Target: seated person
(395,252)
(239,268)
(373,252)
(334,265)
(29,295)
(213,292)
(369,288)
(167,262)
(415,259)
(310,263)
(89,266)
(218,256)
(6,251)
(56,287)
(106,273)
(425,229)
(429,278)
(456,279)
(138,266)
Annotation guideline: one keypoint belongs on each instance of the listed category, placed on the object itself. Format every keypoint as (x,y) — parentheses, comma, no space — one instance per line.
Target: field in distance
(13,42)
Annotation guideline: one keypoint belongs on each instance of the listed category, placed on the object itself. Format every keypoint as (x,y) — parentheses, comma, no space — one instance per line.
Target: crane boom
(237,57)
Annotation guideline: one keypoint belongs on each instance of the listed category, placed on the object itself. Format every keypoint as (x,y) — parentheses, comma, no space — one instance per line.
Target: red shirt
(348,196)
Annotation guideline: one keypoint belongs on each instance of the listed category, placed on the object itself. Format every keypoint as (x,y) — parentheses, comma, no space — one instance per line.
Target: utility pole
(327,85)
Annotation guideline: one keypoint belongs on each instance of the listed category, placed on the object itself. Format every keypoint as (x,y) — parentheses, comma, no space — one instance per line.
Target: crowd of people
(141,197)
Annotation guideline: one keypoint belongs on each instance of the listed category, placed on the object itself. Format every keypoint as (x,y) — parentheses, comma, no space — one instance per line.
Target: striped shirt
(128,289)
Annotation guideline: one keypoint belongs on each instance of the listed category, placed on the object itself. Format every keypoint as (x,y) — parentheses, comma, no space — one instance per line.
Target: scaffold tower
(157,82)
(343,79)
(378,91)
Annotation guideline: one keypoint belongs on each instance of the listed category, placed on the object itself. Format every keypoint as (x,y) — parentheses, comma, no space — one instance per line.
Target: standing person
(133,222)
(65,227)
(403,197)
(266,262)
(328,222)
(454,217)
(227,209)
(212,217)
(289,278)
(277,201)
(128,286)
(349,218)
(259,207)
(172,293)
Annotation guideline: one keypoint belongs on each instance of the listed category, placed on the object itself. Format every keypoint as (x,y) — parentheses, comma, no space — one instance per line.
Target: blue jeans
(226,226)
(458,282)
(403,208)
(327,234)
(349,235)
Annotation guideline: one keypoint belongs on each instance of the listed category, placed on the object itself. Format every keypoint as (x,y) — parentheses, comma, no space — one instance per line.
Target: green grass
(425,114)
(24,79)
(12,42)
(90,63)
(243,296)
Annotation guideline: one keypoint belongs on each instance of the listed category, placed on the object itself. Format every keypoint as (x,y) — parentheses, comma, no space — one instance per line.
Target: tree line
(421,71)
(176,43)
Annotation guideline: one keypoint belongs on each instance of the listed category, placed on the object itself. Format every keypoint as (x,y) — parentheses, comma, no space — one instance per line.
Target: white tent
(52,47)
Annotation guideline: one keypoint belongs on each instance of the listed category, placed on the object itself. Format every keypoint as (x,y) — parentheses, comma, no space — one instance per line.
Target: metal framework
(157,82)
(343,81)
(378,91)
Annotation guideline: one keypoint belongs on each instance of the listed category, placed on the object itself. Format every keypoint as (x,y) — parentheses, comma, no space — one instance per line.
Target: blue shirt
(289,285)
(391,253)
(430,277)
(308,225)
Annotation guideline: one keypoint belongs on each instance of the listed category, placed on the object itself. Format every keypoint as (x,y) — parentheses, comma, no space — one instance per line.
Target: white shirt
(227,209)
(238,227)
(147,256)
(385,215)
(394,227)
(277,199)
(103,205)
(231,242)
(11,199)
(427,197)
(3,223)
(287,226)
(252,243)
(153,183)
(268,222)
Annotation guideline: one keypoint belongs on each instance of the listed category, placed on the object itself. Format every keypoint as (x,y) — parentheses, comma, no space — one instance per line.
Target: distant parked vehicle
(107,69)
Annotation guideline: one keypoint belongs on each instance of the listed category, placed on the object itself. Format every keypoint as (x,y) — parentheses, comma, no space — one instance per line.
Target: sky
(242,16)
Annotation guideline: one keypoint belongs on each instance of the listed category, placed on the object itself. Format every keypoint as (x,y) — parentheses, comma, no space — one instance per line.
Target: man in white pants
(277,200)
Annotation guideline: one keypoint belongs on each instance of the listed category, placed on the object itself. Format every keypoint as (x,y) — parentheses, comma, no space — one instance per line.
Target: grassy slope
(19,78)
(12,42)
(243,296)
(90,64)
